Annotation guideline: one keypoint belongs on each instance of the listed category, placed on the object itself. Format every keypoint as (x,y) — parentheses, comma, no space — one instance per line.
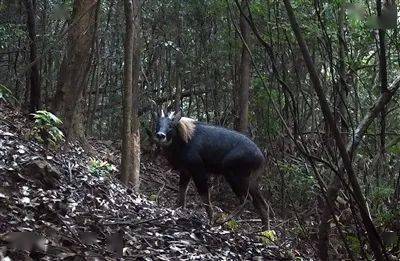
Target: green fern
(46,129)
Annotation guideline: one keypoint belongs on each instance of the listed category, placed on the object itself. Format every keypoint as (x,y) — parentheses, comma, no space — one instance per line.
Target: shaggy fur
(186,128)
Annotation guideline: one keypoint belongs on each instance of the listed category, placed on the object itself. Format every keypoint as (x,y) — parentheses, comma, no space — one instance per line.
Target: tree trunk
(244,73)
(130,161)
(383,88)
(179,58)
(340,99)
(34,99)
(74,69)
(373,236)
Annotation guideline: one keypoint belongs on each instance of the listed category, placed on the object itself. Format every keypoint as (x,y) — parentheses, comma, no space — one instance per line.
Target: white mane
(186,128)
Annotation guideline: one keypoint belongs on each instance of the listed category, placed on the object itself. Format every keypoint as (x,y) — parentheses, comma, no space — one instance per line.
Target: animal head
(173,125)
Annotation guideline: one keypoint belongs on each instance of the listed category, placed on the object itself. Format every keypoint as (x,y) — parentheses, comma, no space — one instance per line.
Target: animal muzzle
(161,136)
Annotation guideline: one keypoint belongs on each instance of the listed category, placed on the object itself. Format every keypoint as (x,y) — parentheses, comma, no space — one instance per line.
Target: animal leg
(239,185)
(184,179)
(201,182)
(259,204)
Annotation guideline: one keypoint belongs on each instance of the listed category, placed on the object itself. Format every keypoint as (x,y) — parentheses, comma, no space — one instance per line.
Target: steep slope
(53,208)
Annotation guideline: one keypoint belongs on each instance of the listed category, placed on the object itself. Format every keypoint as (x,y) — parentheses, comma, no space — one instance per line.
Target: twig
(162,188)
(129,222)
(158,182)
(69,171)
(236,211)
(254,220)
(70,230)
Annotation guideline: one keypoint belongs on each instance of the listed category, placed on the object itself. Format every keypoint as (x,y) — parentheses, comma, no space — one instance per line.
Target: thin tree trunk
(34,98)
(340,98)
(373,236)
(127,103)
(383,87)
(178,63)
(244,72)
(135,92)
(130,162)
(335,184)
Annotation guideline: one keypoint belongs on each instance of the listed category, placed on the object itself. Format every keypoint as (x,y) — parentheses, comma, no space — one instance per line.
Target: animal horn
(171,115)
(162,113)
(152,103)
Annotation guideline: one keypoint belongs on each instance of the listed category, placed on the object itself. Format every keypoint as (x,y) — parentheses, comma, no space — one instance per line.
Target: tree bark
(244,73)
(373,236)
(34,78)
(383,83)
(74,69)
(130,161)
(340,99)
(179,59)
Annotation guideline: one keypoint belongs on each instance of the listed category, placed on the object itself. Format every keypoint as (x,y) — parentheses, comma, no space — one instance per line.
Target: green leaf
(269,237)
(233,225)
(100,168)
(46,122)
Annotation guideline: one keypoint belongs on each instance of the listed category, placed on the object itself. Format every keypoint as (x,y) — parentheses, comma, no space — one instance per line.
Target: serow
(197,149)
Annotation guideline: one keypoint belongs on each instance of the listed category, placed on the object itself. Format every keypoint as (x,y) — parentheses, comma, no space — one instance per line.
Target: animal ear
(177,117)
(171,115)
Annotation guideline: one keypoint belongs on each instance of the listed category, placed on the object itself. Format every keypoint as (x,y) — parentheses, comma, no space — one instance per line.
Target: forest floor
(54,205)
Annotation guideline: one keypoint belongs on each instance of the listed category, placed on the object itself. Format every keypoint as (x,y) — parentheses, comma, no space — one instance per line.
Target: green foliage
(354,243)
(100,168)
(338,3)
(6,94)
(299,181)
(153,197)
(395,149)
(268,237)
(258,8)
(45,117)
(299,232)
(263,98)
(356,14)
(9,33)
(232,225)
(62,11)
(46,129)
(388,217)
(380,197)
(217,8)
(381,194)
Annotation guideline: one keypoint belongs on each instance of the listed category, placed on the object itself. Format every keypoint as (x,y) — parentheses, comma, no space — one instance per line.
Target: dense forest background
(312,82)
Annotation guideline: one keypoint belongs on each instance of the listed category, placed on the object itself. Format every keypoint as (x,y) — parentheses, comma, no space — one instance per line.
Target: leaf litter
(52,208)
